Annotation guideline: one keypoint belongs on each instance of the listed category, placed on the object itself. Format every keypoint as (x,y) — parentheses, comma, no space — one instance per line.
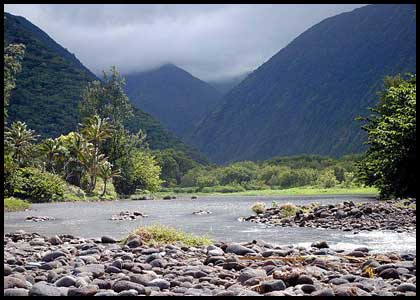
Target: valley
(152,161)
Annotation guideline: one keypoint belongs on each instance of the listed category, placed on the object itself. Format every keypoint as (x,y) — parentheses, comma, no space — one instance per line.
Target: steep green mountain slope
(305,98)
(49,88)
(173,96)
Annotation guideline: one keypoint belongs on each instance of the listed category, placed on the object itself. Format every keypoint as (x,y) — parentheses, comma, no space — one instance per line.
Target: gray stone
(55,240)
(161,283)
(273,285)
(338,281)
(389,273)
(97,270)
(108,240)
(106,293)
(16,292)
(66,281)
(142,279)
(308,288)
(323,292)
(158,263)
(52,256)
(362,249)
(406,287)
(214,251)
(7,270)
(195,273)
(43,289)
(304,279)
(123,285)
(249,273)
(89,290)
(102,284)
(13,282)
(238,249)
(112,269)
(320,245)
(357,254)
(134,243)
(128,293)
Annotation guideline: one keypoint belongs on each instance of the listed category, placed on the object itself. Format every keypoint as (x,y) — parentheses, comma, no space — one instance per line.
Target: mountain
(48,89)
(173,96)
(224,86)
(304,99)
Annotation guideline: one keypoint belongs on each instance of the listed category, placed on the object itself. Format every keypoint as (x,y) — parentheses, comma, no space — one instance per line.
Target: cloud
(208,40)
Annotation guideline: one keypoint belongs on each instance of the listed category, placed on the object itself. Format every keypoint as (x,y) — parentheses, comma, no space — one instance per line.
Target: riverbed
(92,219)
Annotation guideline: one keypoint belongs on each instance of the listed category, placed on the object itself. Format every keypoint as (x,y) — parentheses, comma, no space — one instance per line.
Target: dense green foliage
(390,162)
(174,97)
(34,185)
(276,173)
(12,56)
(174,164)
(304,99)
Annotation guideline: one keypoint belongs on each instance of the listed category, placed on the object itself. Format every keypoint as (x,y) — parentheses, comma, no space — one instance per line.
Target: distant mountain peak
(305,98)
(173,96)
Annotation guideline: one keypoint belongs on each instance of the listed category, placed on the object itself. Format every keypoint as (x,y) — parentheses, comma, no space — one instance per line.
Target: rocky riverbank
(73,266)
(396,215)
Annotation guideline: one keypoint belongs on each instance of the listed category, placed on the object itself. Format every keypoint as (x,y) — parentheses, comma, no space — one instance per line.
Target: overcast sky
(210,41)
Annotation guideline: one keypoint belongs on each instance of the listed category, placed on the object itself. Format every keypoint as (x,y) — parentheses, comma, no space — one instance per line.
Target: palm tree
(95,130)
(105,172)
(18,140)
(54,151)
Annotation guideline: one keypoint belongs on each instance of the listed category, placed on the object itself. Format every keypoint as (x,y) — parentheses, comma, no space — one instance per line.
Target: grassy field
(298,191)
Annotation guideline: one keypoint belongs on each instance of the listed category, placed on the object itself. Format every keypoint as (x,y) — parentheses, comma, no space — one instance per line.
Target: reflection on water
(92,220)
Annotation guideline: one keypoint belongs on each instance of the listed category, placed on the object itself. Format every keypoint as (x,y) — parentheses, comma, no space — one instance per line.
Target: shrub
(288,210)
(73,193)
(327,179)
(258,208)
(35,185)
(161,234)
(14,204)
(255,185)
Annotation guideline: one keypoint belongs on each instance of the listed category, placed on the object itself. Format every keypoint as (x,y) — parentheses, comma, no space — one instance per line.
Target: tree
(107,99)
(18,141)
(54,152)
(390,162)
(95,130)
(12,56)
(146,171)
(106,173)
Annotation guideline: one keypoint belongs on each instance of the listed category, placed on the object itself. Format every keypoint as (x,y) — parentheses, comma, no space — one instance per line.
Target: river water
(92,219)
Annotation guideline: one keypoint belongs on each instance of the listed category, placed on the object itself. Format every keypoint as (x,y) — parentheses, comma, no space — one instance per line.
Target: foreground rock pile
(399,216)
(70,266)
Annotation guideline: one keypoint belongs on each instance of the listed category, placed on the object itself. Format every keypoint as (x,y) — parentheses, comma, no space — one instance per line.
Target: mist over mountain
(173,96)
(49,88)
(304,99)
(224,86)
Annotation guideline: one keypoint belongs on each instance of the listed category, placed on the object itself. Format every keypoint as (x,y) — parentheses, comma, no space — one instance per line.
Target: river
(92,219)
